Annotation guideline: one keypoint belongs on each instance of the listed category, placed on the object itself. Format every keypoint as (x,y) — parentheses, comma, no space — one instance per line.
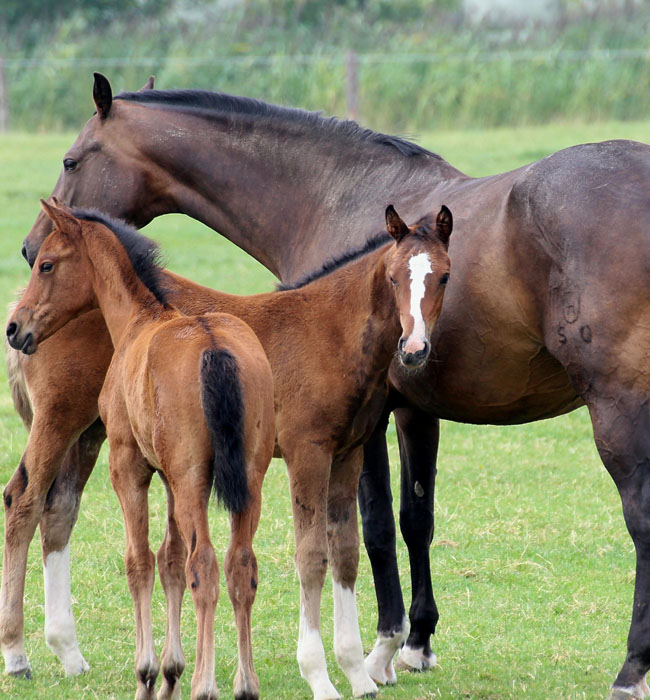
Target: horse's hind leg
(375,504)
(172,556)
(343,540)
(621,422)
(418,444)
(202,577)
(58,519)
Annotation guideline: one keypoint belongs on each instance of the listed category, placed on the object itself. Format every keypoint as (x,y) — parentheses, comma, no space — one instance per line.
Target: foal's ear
(102,95)
(394,224)
(444,224)
(148,85)
(60,215)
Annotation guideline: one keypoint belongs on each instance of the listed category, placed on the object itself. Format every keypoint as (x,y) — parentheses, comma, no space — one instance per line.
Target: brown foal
(188,397)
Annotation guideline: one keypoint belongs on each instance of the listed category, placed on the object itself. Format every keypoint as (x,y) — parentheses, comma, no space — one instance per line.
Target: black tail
(223,407)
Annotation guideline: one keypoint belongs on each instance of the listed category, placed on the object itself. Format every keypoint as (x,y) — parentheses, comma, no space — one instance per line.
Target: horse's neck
(121,295)
(289,201)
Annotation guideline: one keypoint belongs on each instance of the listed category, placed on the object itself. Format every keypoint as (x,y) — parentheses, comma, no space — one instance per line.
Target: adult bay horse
(189,397)
(329,393)
(536,319)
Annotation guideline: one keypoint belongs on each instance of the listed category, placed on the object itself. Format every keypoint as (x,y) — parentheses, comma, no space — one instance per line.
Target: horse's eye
(47,267)
(69,164)
(444,279)
(393,281)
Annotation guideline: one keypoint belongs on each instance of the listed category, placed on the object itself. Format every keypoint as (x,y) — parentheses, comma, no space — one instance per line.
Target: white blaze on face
(419,266)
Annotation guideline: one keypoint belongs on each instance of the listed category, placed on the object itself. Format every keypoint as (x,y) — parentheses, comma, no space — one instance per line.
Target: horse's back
(544,259)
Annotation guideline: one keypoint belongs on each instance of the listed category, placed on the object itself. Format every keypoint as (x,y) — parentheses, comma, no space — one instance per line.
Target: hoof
(25,673)
(415,659)
(620,694)
(246,695)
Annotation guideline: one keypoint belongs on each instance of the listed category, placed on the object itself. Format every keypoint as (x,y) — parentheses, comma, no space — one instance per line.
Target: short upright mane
(222,104)
(144,254)
(381,239)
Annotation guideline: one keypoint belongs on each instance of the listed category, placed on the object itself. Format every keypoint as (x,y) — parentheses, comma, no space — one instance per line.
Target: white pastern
(379,662)
(347,642)
(60,632)
(16,661)
(415,659)
(419,266)
(638,691)
(311,661)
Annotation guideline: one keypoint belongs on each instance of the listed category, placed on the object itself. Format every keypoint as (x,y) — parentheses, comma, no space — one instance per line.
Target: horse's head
(418,269)
(101,170)
(60,286)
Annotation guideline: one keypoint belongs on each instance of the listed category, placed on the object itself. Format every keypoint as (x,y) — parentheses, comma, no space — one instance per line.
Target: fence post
(352,85)
(4,99)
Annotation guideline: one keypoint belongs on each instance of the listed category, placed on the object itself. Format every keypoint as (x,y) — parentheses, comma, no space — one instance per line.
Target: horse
(189,397)
(522,336)
(330,379)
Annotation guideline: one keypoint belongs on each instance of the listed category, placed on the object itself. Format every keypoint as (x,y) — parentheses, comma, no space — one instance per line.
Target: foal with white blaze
(189,397)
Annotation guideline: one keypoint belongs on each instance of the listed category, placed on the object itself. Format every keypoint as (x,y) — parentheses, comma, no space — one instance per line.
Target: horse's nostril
(401,344)
(23,250)
(11,329)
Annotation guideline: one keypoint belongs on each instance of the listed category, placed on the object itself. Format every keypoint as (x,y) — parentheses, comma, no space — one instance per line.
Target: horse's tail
(17,384)
(223,406)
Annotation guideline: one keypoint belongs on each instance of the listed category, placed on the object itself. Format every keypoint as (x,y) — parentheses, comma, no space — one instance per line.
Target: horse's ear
(394,225)
(444,224)
(102,95)
(148,85)
(60,215)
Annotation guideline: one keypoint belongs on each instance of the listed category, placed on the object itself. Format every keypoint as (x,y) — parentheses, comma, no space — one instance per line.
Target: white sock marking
(311,660)
(60,632)
(347,641)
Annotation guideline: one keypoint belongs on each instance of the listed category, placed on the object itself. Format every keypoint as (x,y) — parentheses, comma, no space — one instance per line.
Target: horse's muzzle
(25,343)
(413,360)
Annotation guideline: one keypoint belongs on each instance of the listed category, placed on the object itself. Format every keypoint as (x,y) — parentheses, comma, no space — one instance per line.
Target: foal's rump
(209,375)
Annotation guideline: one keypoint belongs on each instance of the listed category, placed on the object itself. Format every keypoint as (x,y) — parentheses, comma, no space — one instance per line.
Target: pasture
(533,567)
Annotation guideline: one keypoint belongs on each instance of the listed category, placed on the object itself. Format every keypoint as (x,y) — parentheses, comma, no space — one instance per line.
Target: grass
(533,568)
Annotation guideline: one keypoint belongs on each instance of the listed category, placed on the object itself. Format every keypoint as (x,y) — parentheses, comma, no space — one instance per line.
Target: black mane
(221,104)
(381,239)
(143,253)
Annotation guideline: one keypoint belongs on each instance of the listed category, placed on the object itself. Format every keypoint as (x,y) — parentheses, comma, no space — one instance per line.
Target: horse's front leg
(24,500)
(309,469)
(343,539)
(417,434)
(131,477)
(376,506)
(58,519)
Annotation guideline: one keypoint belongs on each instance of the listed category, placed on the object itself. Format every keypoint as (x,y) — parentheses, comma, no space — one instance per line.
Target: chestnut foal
(330,340)
(188,397)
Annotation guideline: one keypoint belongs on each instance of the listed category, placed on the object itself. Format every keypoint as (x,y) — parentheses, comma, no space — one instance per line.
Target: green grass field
(533,568)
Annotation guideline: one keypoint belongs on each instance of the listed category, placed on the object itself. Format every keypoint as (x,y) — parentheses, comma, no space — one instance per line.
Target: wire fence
(398,90)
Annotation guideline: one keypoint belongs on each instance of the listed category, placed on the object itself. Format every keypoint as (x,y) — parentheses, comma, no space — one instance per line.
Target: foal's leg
(172,556)
(202,577)
(375,504)
(241,576)
(418,434)
(343,538)
(309,469)
(24,500)
(131,477)
(59,517)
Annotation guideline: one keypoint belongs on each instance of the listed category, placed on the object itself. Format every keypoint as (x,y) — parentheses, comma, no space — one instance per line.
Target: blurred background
(396,65)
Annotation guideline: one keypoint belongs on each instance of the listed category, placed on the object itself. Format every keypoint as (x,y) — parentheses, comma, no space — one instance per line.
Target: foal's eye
(47,267)
(69,164)
(444,279)
(393,281)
